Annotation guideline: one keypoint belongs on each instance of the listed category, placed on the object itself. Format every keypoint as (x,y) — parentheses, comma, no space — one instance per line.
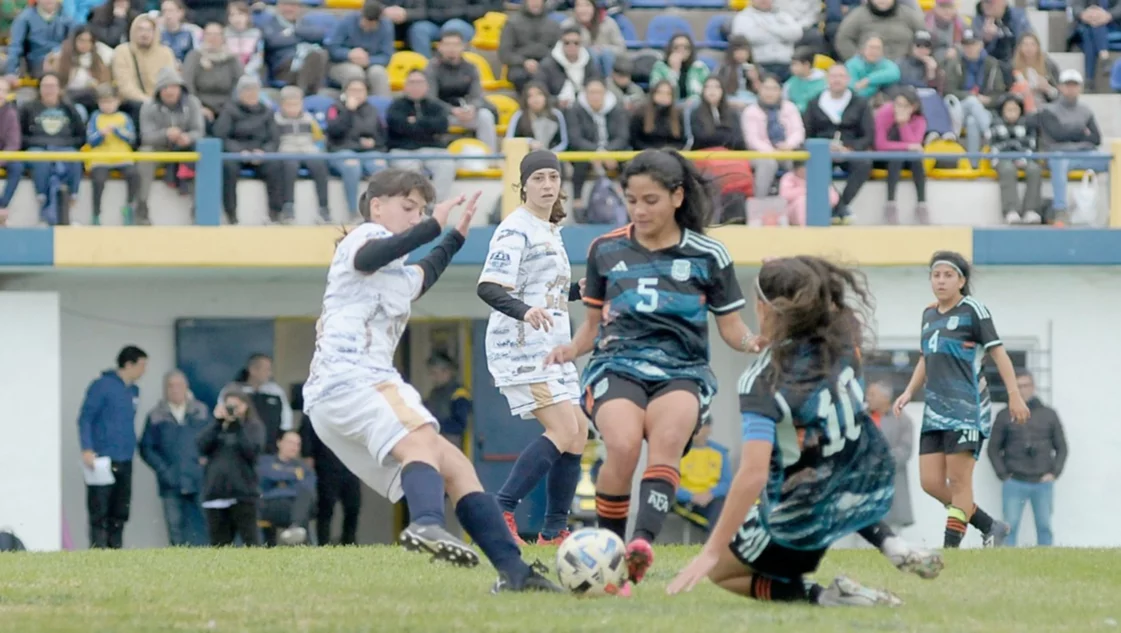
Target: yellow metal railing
(81,157)
(584,157)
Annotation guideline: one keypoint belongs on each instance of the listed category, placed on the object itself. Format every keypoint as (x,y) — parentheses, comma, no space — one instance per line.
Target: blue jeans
(15,173)
(421,35)
(605,60)
(1016,494)
(1060,167)
(1095,39)
(186,524)
(351,170)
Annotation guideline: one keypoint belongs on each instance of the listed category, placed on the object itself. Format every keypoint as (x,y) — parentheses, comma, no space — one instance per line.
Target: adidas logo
(621,267)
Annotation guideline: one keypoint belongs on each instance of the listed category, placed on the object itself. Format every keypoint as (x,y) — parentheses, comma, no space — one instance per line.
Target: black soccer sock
(877,534)
(612,512)
(560,487)
(656,495)
(424,493)
(779,590)
(480,517)
(955,527)
(981,520)
(534,462)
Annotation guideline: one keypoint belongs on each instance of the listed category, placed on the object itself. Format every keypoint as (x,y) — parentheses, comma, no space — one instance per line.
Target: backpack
(9,542)
(605,204)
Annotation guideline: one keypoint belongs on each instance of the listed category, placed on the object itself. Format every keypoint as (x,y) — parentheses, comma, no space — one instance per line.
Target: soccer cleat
(995,537)
(556,540)
(535,580)
(294,535)
(640,557)
(846,592)
(435,540)
(622,591)
(513,525)
(913,560)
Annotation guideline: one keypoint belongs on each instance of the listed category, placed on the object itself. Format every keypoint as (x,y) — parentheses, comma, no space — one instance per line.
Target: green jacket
(694,77)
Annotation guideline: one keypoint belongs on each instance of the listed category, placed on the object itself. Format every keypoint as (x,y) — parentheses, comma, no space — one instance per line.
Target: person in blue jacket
(287,490)
(168,445)
(107,428)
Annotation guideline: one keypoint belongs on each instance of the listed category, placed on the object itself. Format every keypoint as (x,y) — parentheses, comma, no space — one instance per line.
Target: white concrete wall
(1070,311)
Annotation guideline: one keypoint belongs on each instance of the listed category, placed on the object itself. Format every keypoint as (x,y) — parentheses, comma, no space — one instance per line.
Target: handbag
(730,175)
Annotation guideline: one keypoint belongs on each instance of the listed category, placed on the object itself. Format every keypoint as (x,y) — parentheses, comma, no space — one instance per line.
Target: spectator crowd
(126,75)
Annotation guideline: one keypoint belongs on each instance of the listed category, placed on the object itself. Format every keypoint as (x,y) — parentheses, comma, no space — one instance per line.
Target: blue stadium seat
(321,20)
(1052,5)
(710,61)
(630,34)
(558,16)
(701,4)
(714,33)
(663,27)
(381,104)
(317,106)
(649,4)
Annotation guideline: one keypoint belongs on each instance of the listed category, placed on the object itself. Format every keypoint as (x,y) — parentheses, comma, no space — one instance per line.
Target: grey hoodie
(156,117)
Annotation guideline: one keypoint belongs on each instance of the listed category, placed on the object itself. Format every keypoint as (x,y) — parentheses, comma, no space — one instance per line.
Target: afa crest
(681,270)
(952,323)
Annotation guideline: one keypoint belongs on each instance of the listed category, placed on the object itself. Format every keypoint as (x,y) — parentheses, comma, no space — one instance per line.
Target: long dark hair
(671,170)
(704,109)
(729,72)
(525,121)
(957,260)
(814,301)
(650,112)
(68,56)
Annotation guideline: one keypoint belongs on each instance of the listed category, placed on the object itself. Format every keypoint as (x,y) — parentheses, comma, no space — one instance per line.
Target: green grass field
(386,590)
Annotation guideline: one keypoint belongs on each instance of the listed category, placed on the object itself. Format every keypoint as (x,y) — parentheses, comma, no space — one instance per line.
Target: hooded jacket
(605,131)
(156,117)
(565,78)
(136,70)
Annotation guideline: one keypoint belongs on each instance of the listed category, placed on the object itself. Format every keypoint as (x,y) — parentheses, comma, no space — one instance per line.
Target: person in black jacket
(334,482)
(659,123)
(50,123)
(526,40)
(248,126)
(844,118)
(417,124)
(440,17)
(354,125)
(568,68)
(715,122)
(597,123)
(231,445)
(288,38)
(456,83)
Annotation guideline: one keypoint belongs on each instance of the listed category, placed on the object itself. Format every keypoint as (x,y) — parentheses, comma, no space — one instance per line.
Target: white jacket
(772,34)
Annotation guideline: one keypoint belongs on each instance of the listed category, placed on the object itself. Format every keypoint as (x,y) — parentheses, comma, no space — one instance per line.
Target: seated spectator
(294,48)
(354,125)
(1001,26)
(806,82)
(231,445)
(772,33)
(137,64)
(287,489)
(845,119)
(11,140)
(1034,69)
(901,127)
(566,70)
(539,121)
(51,124)
(871,72)
(771,124)
(207,11)
(36,32)
(457,84)
(171,122)
(1093,21)
(706,476)
(9,10)
(300,134)
(715,123)
(360,48)
(681,68)
(417,123)
(660,123)
(975,80)
(431,19)
(1067,126)
(111,21)
(1014,131)
(945,27)
(211,72)
(110,130)
(527,38)
(738,76)
(629,95)
(247,126)
(175,33)
(807,13)
(835,12)
(243,39)
(599,34)
(894,23)
(169,446)
(792,189)
(597,123)
(921,71)
(81,69)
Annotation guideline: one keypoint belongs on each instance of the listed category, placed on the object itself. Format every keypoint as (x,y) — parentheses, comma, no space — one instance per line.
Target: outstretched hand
(464,224)
(560,355)
(696,571)
(441,211)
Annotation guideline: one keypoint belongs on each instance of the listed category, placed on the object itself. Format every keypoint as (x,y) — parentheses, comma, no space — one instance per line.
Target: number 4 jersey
(831,469)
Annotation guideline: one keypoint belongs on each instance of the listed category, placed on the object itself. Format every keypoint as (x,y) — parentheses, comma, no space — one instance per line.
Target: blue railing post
(208,182)
(819,177)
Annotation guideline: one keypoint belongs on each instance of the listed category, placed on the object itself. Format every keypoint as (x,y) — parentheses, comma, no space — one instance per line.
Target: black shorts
(753,546)
(640,392)
(951,442)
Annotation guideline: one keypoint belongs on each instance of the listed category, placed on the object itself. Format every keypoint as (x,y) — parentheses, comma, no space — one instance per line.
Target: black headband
(536,161)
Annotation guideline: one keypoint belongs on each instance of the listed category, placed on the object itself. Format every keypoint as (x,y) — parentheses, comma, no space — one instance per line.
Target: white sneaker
(1031,217)
(846,592)
(1012,218)
(294,535)
(913,560)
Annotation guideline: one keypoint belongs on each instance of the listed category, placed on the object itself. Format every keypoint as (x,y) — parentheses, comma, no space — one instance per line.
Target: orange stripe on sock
(955,525)
(666,473)
(609,509)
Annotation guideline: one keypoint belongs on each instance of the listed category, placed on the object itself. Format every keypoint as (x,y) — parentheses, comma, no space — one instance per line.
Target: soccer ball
(592,562)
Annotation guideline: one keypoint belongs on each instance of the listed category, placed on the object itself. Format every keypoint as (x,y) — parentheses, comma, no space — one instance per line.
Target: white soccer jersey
(527,257)
(364,316)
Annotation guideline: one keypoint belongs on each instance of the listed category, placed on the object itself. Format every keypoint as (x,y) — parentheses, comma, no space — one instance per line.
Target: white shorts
(527,398)
(363,425)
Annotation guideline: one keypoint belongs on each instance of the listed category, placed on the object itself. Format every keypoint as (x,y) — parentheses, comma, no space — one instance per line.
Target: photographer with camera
(231,445)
